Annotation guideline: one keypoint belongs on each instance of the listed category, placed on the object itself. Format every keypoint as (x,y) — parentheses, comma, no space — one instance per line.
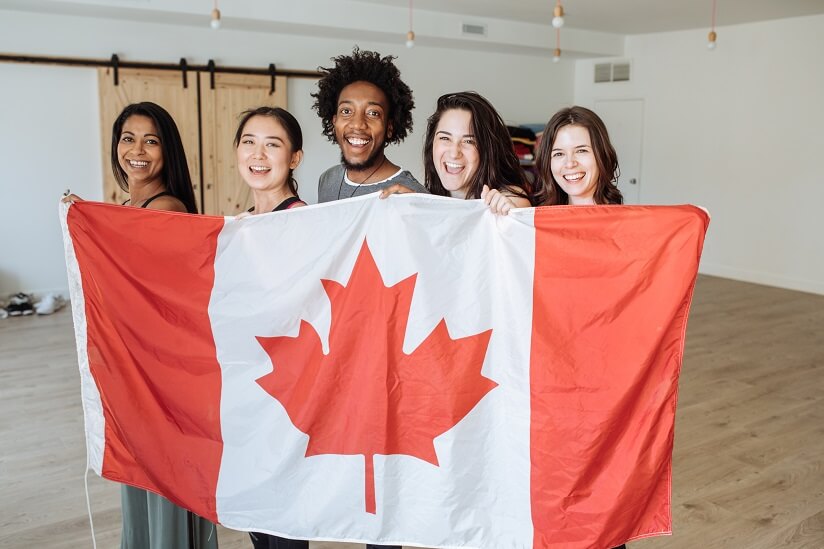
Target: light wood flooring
(749,441)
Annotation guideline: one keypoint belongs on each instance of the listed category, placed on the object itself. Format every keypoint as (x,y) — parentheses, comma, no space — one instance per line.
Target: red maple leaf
(367,396)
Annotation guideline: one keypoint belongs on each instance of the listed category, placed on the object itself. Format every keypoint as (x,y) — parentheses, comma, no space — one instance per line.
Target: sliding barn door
(162,87)
(224,192)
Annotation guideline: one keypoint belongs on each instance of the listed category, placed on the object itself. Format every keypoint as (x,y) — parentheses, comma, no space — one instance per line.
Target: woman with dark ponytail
(269,146)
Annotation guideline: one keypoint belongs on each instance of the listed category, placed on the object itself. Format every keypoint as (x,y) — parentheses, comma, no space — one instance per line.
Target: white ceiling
(623,16)
(610,16)
(594,28)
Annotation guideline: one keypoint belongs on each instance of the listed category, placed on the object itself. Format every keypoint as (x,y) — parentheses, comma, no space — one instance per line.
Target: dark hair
(365,66)
(289,123)
(175,174)
(606,191)
(498,166)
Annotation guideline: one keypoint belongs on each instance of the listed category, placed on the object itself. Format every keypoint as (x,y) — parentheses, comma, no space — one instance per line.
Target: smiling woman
(138,151)
(269,146)
(454,152)
(148,159)
(468,154)
(577,164)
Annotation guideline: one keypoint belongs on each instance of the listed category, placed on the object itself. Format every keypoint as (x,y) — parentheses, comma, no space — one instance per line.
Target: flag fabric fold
(412,371)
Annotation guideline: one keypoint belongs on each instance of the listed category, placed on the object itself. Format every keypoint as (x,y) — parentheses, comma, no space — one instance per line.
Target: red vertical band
(147,278)
(611,298)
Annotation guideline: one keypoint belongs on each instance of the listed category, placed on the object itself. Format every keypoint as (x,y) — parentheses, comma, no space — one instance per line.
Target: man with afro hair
(364,107)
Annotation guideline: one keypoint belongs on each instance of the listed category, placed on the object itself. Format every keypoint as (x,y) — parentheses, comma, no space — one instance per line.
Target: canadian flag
(412,371)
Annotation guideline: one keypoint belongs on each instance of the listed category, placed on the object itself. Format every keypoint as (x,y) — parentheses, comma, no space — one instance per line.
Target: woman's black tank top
(149,200)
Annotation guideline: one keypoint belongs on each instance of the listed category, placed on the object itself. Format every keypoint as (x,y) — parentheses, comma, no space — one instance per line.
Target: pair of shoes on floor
(20,305)
(49,304)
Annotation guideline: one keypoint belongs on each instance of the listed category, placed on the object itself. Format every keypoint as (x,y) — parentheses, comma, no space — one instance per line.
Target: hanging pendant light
(410,36)
(558,12)
(711,37)
(215,23)
(556,55)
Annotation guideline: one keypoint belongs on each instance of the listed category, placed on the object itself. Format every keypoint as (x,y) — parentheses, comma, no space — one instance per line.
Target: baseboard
(4,294)
(767,279)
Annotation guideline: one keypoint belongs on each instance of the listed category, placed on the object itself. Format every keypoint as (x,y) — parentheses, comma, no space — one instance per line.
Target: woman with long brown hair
(577,164)
(468,154)
(148,161)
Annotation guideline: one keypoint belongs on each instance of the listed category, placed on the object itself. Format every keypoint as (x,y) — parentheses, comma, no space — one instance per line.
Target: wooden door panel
(224,191)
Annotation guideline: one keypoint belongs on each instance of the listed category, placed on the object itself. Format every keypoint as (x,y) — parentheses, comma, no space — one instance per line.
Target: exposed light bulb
(410,39)
(558,20)
(712,36)
(711,40)
(556,55)
(215,19)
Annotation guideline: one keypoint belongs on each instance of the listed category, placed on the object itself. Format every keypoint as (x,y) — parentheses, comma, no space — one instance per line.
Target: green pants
(153,522)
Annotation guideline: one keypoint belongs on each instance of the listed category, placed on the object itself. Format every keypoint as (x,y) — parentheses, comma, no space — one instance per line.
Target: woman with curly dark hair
(577,164)
(364,106)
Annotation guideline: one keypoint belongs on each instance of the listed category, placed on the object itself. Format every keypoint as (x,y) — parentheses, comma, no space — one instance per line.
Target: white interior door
(624,119)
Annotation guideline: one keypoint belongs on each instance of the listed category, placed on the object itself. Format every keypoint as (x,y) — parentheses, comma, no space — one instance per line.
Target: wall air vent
(620,72)
(603,72)
(474,30)
(611,72)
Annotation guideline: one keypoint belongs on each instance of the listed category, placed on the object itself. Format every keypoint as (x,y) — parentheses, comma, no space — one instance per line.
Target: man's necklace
(357,185)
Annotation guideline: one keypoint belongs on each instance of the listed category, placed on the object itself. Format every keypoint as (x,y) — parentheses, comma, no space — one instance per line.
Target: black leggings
(265,541)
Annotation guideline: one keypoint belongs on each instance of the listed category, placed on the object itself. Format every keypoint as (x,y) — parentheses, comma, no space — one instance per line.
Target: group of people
(364,106)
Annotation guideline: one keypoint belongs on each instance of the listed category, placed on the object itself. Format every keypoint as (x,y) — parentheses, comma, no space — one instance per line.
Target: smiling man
(364,107)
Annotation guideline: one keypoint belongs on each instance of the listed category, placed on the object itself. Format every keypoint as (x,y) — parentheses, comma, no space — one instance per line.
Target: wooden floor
(748,451)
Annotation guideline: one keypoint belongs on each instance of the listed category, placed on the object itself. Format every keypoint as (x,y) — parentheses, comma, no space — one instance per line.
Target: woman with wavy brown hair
(468,154)
(577,164)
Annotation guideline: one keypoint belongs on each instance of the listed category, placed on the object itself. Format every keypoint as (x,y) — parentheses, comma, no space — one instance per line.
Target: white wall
(50,125)
(739,131)
(49,141)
